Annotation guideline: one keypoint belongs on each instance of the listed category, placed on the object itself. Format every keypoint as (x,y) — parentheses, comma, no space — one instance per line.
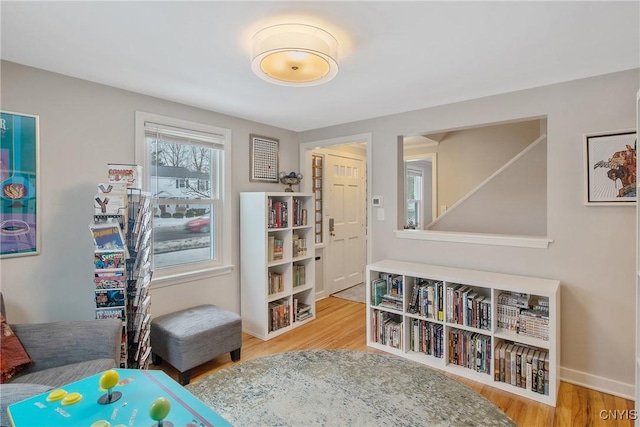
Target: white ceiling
(394,56)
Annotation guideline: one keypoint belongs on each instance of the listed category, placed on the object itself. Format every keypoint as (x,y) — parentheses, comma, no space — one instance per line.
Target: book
(529,368)
(496,362)
(519,366)
(111,204)
(534,371)
(109,188)
(541,364)
(130,175)
(379,290)
(107,236)
(110,313)
(507,364)
(110,298)
(110,280)
(513,369)
(109,260)
(547,361)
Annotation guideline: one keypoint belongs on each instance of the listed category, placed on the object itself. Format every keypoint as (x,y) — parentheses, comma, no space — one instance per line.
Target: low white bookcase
(497,329)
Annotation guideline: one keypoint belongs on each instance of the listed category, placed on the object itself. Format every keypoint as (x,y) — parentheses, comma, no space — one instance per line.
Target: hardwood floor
(340,324)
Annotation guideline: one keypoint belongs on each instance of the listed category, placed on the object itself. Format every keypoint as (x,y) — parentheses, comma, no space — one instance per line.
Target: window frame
(418,203)
(223,245)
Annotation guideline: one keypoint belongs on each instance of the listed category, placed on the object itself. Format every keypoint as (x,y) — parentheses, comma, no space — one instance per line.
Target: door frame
(306,149)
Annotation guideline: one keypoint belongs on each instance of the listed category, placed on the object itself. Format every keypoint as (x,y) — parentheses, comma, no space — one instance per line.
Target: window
(414,197)
(186,173)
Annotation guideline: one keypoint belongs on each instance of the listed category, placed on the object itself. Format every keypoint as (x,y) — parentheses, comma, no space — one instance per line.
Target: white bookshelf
(397,335)
(261,298)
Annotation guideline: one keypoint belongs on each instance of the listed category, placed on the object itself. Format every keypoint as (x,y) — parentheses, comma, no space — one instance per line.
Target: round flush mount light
(294,55)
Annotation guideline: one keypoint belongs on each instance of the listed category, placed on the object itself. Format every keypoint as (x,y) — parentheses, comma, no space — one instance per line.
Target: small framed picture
(264,159)
(610,168)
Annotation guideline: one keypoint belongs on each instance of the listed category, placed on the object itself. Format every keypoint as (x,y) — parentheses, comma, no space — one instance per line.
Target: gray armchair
(62,352)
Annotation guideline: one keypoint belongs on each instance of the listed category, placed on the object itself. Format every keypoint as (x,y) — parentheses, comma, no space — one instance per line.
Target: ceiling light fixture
(294,55)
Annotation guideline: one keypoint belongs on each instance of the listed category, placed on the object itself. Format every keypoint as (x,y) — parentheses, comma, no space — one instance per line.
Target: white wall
(592,253)
(83,126)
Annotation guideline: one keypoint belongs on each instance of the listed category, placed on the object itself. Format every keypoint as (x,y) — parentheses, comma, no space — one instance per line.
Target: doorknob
(331,227)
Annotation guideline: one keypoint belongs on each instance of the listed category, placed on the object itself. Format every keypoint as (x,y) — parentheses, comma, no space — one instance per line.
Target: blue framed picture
(19,184)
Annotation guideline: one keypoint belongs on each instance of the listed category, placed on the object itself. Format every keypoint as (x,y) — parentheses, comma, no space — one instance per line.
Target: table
(139,389)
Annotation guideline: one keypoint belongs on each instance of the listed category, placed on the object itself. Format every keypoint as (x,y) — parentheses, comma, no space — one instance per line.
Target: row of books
(523,314)
(386,329)
(522,366)
(299,213)
(280,314)
(299,245)
(427,337)
(427,299)
(302,311)
(275,248)
(386,285)
(276,282)
(278,214)
(466,307)
(471,350)
(299,275)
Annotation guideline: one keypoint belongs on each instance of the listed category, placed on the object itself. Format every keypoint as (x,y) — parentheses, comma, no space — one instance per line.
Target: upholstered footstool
(191,337)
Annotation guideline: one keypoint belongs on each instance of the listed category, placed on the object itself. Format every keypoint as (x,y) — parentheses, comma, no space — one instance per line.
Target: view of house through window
(414,197)
(185,174)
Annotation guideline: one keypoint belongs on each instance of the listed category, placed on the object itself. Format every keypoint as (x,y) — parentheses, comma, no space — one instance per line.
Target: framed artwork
(19,185)
(264,159)
(610,168)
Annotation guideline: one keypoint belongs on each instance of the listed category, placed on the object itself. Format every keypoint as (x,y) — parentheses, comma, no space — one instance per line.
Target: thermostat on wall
(376,201)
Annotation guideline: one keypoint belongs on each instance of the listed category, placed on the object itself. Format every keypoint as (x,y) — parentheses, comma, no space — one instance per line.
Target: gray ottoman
(191,337)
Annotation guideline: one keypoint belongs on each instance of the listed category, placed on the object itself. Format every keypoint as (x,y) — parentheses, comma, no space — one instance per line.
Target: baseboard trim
(601,384)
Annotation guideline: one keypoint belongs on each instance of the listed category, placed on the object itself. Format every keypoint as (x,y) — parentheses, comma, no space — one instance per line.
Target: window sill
(476,238)
(160,281)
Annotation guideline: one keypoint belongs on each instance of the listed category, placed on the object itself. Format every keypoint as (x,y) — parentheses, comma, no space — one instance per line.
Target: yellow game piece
(56,395)
(101,423)
(72,398)
(109,379)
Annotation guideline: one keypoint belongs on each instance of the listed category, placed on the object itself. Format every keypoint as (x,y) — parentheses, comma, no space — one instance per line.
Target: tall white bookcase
(277,262)
(463,334)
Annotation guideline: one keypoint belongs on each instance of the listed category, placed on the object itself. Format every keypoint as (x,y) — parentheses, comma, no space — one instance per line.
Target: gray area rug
(342,388)
(357,293)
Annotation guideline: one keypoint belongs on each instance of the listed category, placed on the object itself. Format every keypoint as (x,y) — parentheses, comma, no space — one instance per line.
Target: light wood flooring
(340,324)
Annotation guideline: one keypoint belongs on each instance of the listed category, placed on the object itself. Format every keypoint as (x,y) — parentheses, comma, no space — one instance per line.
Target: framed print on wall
(264,159)
(610,168)
(19,184)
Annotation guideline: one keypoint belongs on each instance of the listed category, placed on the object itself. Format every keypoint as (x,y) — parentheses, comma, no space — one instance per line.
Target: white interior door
(345,210)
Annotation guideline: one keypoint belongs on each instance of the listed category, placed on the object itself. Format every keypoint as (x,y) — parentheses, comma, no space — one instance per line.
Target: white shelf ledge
(476,238)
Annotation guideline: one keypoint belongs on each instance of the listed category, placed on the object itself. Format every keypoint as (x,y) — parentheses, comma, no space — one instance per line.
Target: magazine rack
(122,233)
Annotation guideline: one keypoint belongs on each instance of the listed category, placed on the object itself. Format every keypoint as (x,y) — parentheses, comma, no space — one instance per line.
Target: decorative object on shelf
(19,184)
(290,179)
(610,168)
(294,55)
(264,159)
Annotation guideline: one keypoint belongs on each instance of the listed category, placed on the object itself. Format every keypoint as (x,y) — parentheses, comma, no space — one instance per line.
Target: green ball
(159,409)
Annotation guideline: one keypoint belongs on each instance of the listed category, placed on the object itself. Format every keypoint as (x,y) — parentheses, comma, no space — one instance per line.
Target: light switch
(380,214)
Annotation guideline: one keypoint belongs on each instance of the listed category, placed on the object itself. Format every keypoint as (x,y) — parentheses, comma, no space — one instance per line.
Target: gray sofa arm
(71,341)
